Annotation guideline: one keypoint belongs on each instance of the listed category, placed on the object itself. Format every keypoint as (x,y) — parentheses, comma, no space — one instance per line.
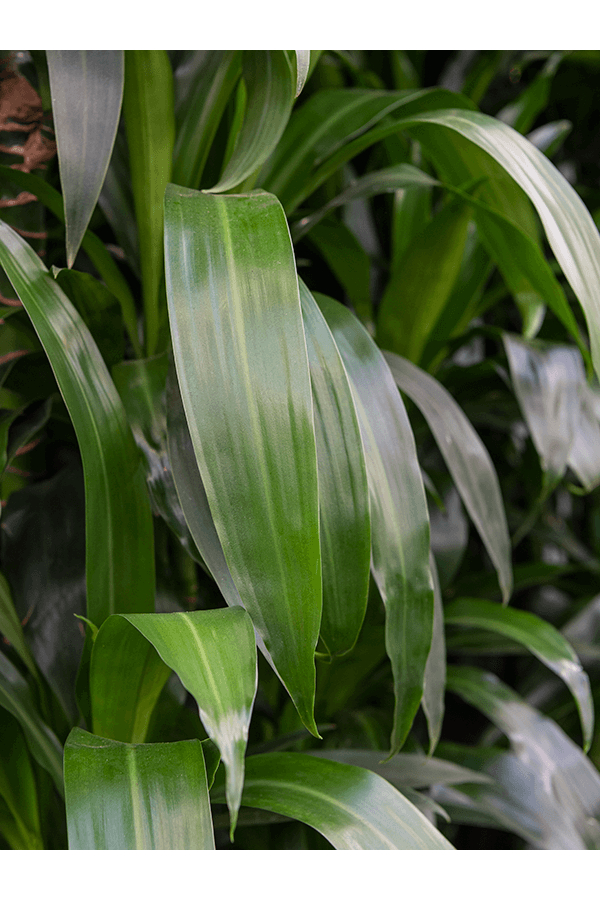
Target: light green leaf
(353,808)
(467,459)
(399,519)
(136,796)
(148,112)
(408,769)
(271,86)
(540,637)
(434,687)
(343,486)
(242,367)
(584,455)
(119,539)
(214,654)
(87,90)
(302,69)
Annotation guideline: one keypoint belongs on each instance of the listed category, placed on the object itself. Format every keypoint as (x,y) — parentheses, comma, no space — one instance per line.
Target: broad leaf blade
(467,459)
(136,796)
(540,637)
(343,486)
(87,90)
(399,518)
(242,367)
(119,540)
(214,654)
(353,808)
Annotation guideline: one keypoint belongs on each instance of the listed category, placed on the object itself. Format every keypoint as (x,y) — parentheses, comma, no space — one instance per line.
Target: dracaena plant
(299,446)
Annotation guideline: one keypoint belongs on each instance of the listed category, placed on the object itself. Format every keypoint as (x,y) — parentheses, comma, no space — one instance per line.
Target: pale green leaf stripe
(271,86)
(399,517)
(541,638)
(242,366)
(569,226)
(123,796)
(467,459)
(16,697)
(353,808)
(119,536)
(87,90)
(343,486)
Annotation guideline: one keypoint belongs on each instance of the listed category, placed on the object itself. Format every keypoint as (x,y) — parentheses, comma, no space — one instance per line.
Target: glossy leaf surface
(119,543)
(408,769)
(136,796)
(241,361)
(399,519)
(353,808)
(467,459)
(540,637)
(87,90)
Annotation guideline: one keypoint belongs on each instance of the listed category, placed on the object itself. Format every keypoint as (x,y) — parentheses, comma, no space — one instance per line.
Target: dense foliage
(299,429)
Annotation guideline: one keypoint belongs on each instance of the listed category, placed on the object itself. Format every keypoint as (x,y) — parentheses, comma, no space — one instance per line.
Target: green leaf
(399,519)
(11,628)
(569,226)
(421,283)
(349,262)
(16,697)
(243,372)
(302,69)
(119,541)
(408,769)
(343,487)
(17,783)
(214,654)
(467,459)
(584,455)
(87,90)
(93,246)
(136,796)
(353,808)
(434,687)
(555,773)
(271,88)
(541,638)
(548,380)
(203,86)
(148,111)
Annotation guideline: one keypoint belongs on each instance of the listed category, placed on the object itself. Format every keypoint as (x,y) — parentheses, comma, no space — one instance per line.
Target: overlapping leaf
(136,796)
(242,366)
(399,519)
(467,459)
(119,542)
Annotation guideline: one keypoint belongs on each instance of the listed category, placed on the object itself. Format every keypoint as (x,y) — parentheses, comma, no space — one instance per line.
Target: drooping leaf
(343,486)
(136,796)
(562,779)
(243,373)
(467,459)
(87,90)
(271,89)
(353,808)
(399,519)
(569,226)
(119,542)
(214,654)
(540,637)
